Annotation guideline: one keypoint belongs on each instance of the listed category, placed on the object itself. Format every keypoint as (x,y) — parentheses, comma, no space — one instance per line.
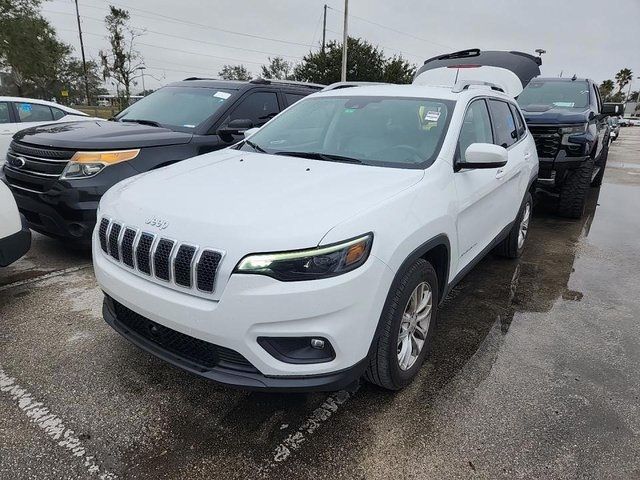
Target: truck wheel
(513,245)
(573,193)
(408,323)
(597,180)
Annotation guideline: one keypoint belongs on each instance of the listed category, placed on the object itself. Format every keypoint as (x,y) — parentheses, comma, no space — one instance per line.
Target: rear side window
(504,126)
(258,107)
(4,113)
(520,126)
(476,127)
(292,98)
(57,113)
(33,112)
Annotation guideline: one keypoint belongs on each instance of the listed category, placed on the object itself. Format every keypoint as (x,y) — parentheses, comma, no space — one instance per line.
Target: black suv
(59,172)
(568,121)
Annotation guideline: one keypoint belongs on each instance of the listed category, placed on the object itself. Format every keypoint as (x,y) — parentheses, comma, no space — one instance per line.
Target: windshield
(180,108)
(381,131)
(556,94)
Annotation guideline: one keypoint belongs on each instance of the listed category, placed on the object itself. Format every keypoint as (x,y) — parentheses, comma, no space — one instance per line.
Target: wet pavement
(534,374)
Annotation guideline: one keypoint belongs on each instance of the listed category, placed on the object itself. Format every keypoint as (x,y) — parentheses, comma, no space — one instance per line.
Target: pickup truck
(568,121)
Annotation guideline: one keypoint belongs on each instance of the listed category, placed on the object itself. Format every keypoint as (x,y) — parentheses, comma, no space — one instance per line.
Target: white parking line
(51,424)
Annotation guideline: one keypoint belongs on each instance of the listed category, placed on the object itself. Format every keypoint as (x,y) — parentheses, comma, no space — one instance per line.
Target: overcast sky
(184,38)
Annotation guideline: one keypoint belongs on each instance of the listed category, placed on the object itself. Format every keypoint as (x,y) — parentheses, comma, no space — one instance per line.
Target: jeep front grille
(181,264)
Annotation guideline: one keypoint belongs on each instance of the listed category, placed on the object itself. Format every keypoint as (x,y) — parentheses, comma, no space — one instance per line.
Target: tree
(365,63)
(122,62)
(72,80)
(606,89)
(234,72)
(634,96)
(278,68)
(623,77)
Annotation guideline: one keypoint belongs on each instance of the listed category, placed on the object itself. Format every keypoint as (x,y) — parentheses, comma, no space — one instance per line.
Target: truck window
(476,127)
(504,126)
(259,107)
(292,98)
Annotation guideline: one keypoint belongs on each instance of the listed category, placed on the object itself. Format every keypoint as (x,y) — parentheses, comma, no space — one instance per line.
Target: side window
(4,113)
(33,112)
(258,107)
(520,125)
(292,98)
(504,127)
(597,97)
(57,113)
(476,127)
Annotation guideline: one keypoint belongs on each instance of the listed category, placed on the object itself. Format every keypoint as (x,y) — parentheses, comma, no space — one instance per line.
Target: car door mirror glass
(484,155)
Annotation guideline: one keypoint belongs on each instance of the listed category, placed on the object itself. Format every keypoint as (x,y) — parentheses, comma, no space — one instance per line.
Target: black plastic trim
(16,245)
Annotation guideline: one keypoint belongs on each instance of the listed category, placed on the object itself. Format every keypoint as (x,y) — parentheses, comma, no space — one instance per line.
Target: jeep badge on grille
(157,222)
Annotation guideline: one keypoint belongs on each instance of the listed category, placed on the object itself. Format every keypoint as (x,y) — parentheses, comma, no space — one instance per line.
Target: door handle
(501,173)
(527,155)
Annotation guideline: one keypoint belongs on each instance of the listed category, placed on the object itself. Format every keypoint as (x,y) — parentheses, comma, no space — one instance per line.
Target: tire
(573,193)
(597,180)
(512,247)
(384,367)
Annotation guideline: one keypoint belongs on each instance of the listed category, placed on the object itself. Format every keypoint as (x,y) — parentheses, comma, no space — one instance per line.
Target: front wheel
(408,322)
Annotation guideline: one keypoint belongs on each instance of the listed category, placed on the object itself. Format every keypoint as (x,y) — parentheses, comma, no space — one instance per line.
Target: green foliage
(278,68)
(365,63)
(606,89)
(623,77)
(234,72)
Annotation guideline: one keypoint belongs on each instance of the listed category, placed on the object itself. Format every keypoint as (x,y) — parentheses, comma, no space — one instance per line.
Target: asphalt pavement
(534,374)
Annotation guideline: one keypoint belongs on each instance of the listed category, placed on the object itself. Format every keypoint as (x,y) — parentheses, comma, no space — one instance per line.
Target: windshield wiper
(327,157)
(255,146)
(142,122)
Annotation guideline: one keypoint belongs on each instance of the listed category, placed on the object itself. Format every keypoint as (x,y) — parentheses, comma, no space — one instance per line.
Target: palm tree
(606,89)
(623,77)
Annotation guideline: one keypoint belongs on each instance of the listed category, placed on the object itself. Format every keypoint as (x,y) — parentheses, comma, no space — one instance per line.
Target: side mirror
(484,155)
(250,132)
(234,127)
(613,109)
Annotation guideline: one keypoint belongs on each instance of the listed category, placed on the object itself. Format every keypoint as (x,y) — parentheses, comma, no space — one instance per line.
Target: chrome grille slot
(181,265)
(35,169)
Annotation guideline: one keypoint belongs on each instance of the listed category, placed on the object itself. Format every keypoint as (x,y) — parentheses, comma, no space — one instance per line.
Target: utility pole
(324,27)
(84,62)
(142,69)
(345,37)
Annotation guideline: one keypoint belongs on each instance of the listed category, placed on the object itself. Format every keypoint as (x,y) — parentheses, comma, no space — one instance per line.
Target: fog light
(317,343)
(298,349)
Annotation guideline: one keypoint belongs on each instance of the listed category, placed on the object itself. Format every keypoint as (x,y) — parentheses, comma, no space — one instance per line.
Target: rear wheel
(573,193)
(408,324)
(513,245)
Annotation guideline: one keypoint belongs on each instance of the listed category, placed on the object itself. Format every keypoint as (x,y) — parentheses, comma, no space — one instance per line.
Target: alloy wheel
(414,325)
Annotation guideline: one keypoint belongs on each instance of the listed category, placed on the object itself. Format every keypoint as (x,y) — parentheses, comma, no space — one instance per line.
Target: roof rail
(341,85)
(198,78)
(269,81)
(465,84)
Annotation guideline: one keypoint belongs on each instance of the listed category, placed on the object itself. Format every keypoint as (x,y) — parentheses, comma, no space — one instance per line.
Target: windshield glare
(557,94)
(181,108)
(382,131)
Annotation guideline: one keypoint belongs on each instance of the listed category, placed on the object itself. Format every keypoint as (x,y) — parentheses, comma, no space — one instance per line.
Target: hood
(546,114)
(101,135)
(243,202)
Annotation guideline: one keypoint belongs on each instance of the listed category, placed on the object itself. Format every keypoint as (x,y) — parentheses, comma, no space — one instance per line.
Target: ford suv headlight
(88,164)
(310,264)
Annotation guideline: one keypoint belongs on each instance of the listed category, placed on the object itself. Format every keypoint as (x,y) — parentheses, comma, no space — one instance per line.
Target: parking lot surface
(534,374)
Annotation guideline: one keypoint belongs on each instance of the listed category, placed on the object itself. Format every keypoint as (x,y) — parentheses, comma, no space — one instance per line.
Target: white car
(15,236)
(18,113)
(318,250)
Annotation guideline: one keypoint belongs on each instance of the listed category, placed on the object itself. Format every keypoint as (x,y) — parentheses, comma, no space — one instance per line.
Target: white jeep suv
(15,236)
(318,250)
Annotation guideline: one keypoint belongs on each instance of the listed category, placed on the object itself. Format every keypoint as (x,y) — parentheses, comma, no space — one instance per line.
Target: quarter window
(519,121)
(33,112)
(57,113)
(4,113)
(476,127)
(258,107)
(504,127)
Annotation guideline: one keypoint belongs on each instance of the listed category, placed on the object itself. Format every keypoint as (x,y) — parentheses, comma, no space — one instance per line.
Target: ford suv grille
(180,264)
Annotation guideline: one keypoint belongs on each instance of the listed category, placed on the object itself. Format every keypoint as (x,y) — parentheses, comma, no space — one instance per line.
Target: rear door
(31,114)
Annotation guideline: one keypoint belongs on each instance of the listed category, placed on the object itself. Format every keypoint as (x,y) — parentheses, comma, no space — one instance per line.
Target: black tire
(597,180)
(384,369)
(573,193)
(509,246)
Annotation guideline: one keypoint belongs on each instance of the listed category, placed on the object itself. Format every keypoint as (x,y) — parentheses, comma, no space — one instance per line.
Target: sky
(589,38)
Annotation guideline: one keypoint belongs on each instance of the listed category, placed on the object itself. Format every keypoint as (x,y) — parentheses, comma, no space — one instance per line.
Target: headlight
(88,164)
(311,264)
(581,128)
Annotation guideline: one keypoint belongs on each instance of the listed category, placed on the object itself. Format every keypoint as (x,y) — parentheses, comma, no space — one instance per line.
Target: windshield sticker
(431,116)
(223,95)
(189,126)
(564,104)
(349,110)
(26,107)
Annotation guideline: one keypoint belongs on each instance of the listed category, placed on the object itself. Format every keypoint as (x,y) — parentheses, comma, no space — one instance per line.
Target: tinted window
(476,127)
(504,127)
(555,93)
(4,112)
(57,113)
(258,107)
(33,112)
(519,121)
(374,130)
(293,97)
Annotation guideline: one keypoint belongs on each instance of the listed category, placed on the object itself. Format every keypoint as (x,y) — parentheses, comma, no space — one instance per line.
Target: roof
(563,79)
(42,102)
(240,84)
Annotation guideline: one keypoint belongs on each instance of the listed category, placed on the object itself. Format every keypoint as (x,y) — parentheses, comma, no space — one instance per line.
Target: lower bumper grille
(193,350)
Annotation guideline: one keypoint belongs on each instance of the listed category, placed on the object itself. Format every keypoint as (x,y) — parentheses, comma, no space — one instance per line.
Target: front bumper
(15,246)
(344,310)
(553,171)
